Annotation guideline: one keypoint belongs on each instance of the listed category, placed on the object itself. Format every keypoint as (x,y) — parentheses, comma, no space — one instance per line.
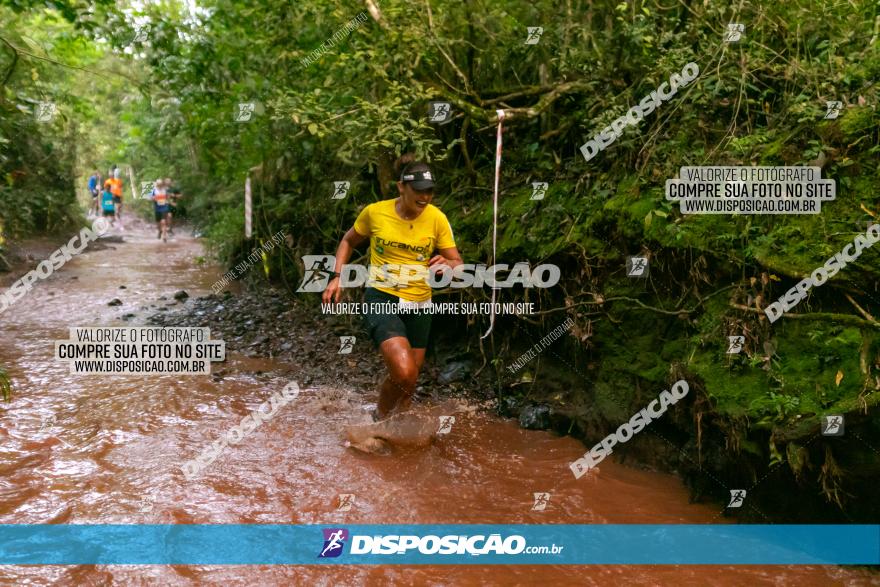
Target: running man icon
(317,275)
(736,498)
(541,501)
(346,344)
(637,267)
(334,540)
(832,425)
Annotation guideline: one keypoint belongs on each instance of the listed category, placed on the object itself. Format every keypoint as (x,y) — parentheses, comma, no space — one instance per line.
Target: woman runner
(405,231)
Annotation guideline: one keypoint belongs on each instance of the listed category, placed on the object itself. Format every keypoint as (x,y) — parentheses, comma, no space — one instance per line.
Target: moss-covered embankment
(750,421)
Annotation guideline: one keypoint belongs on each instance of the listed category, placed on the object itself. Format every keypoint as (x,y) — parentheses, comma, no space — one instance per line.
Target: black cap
(419,176)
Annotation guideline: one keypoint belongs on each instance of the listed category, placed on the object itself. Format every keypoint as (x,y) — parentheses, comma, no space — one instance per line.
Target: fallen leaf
(838,378)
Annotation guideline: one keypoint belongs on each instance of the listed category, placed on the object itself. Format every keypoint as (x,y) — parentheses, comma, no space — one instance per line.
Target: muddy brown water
(91,449)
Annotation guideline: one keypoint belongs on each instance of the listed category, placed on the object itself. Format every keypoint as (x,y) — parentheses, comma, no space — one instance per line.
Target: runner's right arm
(349,242)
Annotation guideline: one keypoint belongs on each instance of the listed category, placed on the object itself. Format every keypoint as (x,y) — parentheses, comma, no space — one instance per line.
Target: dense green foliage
(348,114)
(46,58)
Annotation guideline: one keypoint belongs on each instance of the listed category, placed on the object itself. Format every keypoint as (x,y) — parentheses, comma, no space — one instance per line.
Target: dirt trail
(108,449)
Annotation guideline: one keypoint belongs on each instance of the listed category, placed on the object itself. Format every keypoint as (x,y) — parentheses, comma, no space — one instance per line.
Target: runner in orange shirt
(116,189)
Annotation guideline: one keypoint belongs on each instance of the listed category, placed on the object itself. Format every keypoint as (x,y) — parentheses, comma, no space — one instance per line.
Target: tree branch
(861,310)
(461,75)
(14,61)
(848,319)
(67,65)
(478,114)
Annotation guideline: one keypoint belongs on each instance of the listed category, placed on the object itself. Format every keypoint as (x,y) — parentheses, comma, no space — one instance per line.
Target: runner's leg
(418,357)
(402,374)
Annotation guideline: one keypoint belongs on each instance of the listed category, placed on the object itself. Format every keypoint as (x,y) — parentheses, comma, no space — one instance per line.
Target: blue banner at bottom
(480,544)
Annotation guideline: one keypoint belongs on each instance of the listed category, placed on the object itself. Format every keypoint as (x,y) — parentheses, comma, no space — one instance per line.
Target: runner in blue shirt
(94,189)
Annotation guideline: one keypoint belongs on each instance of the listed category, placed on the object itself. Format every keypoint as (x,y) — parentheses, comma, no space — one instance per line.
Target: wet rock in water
(122,287)
(508,407)
(535,417)
(115,302)
(454,371)
(181,295)
(163,297)
(128,316)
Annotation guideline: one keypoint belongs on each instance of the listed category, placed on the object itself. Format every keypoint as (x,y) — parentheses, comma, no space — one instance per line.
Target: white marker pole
(131,182)
(500,114)
(248,223)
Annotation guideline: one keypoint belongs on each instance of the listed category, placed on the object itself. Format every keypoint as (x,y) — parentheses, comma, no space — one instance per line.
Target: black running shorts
(382,325)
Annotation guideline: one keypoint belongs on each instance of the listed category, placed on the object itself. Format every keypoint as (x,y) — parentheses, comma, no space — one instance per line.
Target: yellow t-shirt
(395,241)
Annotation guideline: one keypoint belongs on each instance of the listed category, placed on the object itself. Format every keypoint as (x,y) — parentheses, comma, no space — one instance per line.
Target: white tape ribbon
(495,216)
